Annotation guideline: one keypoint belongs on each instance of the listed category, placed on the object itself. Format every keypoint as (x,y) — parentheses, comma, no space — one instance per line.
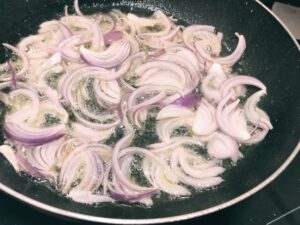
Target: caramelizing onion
(116,107)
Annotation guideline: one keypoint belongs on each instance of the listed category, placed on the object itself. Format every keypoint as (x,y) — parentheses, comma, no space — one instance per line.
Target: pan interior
(270,56)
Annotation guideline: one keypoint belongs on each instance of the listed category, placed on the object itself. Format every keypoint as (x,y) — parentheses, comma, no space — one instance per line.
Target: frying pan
(271,55)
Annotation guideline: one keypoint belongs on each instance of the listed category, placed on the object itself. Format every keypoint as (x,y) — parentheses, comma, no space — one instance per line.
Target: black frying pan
(271,55)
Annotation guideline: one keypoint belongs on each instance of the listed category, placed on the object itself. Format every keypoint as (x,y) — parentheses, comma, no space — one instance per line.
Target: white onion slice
(173,111)
(212,82)
(204,122)
(9,153)
(255,115)
(222,146)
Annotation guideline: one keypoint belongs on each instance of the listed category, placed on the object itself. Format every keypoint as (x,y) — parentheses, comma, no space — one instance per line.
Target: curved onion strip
(204,122)
(87,197)
(13,72)
(210,85)
(188,100)
(173,111)
(72,167)
(116,167)
(165,128)
(231,119)
(155,174)
(142,92)
(9,153)
(35,103)
(202,183)
(26,166)
(79,130)
(227,60)
(208,42)
(188,33)
(77,9)
(21,132)
(174,142)
(116,53)
(258,135)
(222,146)
(25,61)
(255,115)
(206,169)
(240,80)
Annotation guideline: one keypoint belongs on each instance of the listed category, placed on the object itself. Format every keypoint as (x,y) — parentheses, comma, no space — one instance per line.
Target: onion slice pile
(117,107)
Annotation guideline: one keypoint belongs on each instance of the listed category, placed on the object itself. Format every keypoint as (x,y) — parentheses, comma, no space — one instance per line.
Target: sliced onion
(65,30)
(112,36)
(202,183)
(43,158)
(211,83)
(108,93)
(258,135)
(13,75)
(231,119)
(79,130)
(78,160)
(116,53)
(88,197)
(35,104)
(32,136)
(208,42)
(189,163)
(156,176)
(25,61)
(9,153)
(188,100)
(188,33)
(173,111)
(255,115)
(165,128)
(204,122)
(26,166)
(240,80)
(116,167)
(156,92)
(227,60)
(222,146)
(174,143)
(77,9)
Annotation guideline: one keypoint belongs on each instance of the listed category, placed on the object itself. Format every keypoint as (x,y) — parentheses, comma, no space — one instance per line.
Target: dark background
(276,199)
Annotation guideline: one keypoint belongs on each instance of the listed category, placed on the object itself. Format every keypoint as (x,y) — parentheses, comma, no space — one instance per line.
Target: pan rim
(84,217)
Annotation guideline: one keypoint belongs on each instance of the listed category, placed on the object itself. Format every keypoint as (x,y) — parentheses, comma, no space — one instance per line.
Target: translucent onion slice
(165,128)
(204,122)
(202,183)
(254,114)
(88,197)
(235,81)
(81,131)
(173,111)
(114,55)
(212,82)
(227,60)
(222,146)
(196,166)
(9,153)
(232,120)
(31,136)
(82,170)
(24,59)
(188,33)
(157,177)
